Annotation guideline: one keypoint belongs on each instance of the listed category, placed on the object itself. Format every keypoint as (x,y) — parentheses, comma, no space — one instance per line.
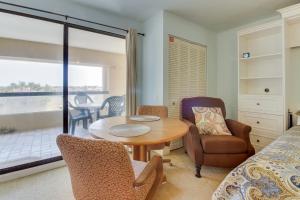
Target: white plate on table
(144,118)
(129,130)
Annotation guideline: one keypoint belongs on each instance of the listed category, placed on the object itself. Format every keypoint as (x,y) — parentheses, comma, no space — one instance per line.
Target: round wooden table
(162,131)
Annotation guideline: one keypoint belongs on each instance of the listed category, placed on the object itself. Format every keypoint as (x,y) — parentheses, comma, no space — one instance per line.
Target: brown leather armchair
(215,150)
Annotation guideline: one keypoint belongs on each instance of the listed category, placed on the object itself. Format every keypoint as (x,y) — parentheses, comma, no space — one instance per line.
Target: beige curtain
(131,72)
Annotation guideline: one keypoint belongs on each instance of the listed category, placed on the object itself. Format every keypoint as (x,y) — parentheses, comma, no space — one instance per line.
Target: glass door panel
(97,71)
(31,73)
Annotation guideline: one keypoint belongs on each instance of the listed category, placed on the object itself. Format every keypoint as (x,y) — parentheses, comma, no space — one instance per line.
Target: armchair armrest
(242,131)
(238,129)
(192,143)
(193,130)
(155,164)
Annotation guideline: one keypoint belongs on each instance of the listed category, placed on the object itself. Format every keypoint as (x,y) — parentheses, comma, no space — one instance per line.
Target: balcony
(30,122)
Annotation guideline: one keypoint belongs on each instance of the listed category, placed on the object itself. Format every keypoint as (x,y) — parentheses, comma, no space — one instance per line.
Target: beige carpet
(181,184)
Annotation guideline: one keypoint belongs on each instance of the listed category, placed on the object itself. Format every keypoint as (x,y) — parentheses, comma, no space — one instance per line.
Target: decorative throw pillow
(210,121)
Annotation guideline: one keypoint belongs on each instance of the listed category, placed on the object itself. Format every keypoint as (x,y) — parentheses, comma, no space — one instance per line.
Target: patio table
(89,106)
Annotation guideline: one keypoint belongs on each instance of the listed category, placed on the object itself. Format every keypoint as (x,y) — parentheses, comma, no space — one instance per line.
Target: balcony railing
(27,94)
(24,111)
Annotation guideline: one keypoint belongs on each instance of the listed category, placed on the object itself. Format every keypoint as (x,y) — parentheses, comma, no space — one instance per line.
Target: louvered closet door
(186,72)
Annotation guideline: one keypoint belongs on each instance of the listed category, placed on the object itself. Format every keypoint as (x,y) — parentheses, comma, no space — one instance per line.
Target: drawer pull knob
(258,122)
(258,104)
(257,141)
(267,90)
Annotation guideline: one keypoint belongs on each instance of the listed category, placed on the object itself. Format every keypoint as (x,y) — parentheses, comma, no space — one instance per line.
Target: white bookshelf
(291,23)
(261,81)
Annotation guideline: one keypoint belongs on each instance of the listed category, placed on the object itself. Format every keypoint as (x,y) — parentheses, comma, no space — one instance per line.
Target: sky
(14,71)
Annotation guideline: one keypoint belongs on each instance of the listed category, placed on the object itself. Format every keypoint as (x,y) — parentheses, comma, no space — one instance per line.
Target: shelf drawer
(266,133)
(258,121)
(261,104)
(260,141)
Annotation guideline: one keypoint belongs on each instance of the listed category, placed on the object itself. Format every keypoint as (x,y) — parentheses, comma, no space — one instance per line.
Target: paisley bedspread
(271,174)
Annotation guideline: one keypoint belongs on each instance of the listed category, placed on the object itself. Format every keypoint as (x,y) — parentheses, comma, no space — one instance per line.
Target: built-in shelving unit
(261,82)
(269,76)
(262,72)
(291,23)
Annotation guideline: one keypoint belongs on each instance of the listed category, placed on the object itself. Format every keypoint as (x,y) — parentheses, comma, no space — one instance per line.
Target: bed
(273,173)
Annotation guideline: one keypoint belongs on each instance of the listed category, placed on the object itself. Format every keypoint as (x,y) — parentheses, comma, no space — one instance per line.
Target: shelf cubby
(263,70)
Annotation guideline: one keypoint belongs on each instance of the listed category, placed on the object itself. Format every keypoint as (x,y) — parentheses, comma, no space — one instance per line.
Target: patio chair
(77,115)
(84,98)
(116,106)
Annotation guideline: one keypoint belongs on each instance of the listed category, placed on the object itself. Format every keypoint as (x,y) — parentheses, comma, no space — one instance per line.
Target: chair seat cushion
(138,167)
(222,144)
(142,191)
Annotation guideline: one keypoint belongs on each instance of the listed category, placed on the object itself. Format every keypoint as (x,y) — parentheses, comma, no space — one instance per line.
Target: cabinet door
(186,72)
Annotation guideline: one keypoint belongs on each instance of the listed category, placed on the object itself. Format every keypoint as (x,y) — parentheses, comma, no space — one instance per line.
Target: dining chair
(101,169)
(162,112)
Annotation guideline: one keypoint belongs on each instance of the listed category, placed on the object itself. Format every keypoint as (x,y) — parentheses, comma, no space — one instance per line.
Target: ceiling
(214,14)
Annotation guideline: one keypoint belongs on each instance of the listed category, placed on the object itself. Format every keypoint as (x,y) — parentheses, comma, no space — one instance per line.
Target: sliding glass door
(54,78)
(97,78)
(31,84)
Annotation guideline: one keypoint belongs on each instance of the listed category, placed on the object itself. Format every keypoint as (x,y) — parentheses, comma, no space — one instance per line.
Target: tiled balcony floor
(23,147)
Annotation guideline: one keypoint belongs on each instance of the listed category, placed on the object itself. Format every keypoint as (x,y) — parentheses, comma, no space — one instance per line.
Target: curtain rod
(67,16)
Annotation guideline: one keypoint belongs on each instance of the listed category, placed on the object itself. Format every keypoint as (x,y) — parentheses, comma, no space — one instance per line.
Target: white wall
(155,55)
(152,73)
(227,70)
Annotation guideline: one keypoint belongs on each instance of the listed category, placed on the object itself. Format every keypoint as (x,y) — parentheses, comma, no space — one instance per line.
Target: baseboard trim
(30,171)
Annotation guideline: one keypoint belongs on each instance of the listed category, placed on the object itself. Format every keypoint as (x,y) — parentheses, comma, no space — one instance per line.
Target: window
(91,77)
(29,77)
(34,103)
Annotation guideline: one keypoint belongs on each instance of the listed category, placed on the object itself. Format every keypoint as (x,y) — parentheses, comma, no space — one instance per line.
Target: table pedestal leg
(140,153)
(143,153)
(136,152)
